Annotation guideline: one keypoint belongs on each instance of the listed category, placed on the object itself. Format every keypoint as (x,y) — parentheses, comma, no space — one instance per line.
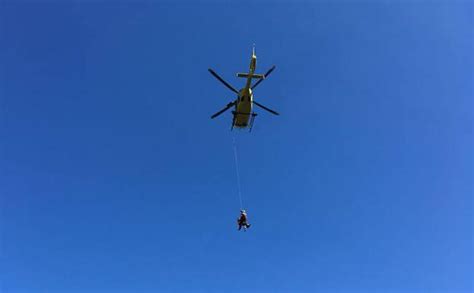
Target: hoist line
(237,172)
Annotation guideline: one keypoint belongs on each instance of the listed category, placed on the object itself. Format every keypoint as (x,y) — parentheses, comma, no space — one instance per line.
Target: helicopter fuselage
(243,108)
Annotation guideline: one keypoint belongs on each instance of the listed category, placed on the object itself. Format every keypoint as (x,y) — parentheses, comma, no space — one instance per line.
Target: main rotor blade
(230,105)
(223,81)
(265,108)
(266,74)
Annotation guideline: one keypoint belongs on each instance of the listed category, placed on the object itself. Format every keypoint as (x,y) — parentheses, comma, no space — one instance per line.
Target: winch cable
(239,190)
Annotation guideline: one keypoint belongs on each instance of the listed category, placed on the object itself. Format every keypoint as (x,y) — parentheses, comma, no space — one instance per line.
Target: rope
(237,172)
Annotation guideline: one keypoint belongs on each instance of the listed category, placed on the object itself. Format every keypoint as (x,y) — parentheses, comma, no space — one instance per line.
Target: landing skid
(252,119)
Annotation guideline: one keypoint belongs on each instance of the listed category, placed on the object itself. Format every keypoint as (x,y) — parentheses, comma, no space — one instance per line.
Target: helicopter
(243,115)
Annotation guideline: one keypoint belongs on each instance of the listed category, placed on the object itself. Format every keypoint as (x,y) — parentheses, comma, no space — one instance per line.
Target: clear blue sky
(114,179)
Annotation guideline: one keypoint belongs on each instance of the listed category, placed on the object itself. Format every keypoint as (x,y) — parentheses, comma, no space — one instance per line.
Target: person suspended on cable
(242,220)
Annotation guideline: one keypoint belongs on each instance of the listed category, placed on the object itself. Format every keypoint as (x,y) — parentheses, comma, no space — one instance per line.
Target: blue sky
(114,179)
